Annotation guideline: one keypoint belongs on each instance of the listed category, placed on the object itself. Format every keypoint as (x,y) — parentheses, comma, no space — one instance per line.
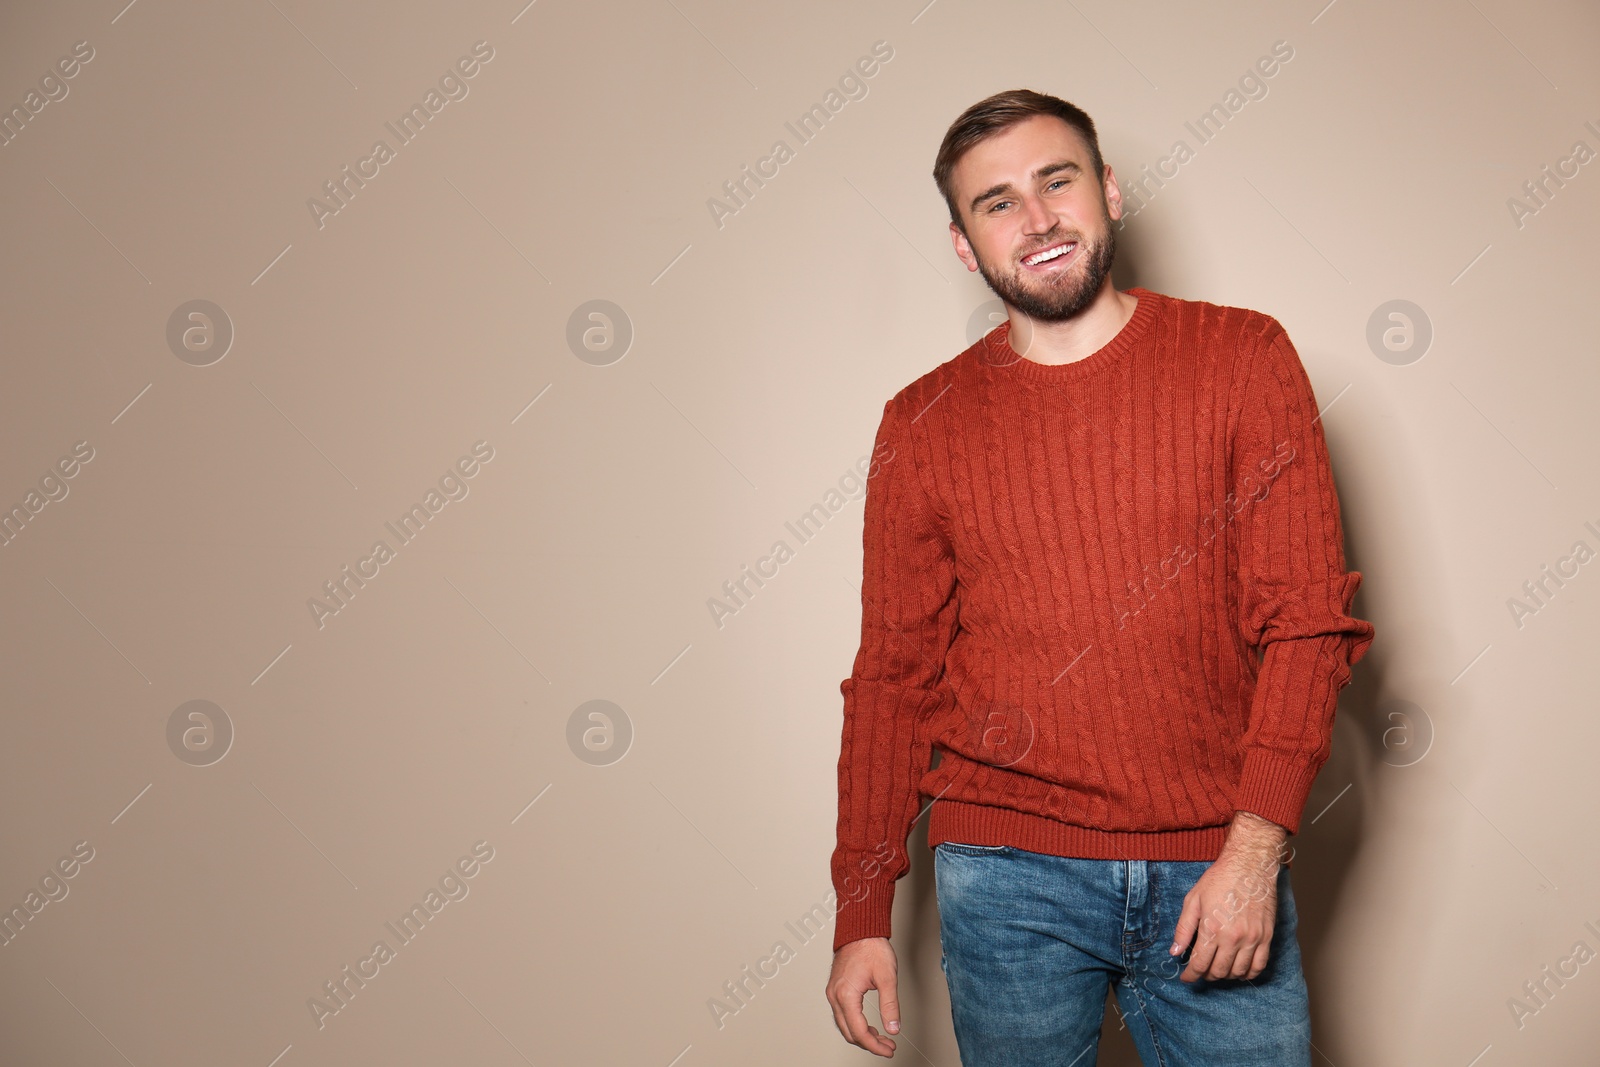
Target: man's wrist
(1256,834)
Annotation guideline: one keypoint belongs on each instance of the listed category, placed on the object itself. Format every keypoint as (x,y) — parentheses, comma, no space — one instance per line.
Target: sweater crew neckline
(998,353)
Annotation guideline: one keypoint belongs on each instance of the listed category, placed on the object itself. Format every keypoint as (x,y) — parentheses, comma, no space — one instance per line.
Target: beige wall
(363,756)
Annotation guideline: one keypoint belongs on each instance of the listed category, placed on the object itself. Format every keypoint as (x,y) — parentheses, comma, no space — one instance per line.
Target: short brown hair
(996,114)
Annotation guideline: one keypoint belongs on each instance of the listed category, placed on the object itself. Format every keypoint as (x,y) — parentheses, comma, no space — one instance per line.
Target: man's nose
(1039,218)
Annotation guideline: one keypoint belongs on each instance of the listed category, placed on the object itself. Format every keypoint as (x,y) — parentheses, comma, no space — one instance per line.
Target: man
(1104,578)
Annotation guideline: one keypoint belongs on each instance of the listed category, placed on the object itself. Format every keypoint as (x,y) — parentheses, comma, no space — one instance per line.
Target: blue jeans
(1031,943)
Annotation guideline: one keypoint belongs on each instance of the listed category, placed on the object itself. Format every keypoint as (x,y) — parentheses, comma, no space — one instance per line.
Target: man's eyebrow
(1043,172)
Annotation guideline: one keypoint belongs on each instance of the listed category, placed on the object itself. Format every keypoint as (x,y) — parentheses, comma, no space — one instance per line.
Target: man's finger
(867,1036)
(1259,962)
(1243,961)
(1205,949)
(1253,944)
(1188,920)
(889,1004)
(860,1032)
(1222,962)
(838,1016)
(840,997)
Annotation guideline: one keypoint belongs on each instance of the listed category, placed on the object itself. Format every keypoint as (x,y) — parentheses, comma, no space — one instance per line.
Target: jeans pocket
(972,850)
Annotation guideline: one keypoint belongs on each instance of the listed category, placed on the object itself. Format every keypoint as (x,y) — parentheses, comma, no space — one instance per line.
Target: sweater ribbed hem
(980,824)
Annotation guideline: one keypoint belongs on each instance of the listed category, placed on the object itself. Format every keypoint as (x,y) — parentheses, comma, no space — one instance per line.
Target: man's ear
(963,247)
(1113,195)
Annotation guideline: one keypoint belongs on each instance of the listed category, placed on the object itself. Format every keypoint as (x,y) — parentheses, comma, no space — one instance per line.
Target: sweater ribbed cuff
(867,917)
(1275,787)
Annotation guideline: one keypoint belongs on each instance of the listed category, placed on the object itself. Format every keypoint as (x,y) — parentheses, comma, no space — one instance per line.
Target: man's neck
(1072,339)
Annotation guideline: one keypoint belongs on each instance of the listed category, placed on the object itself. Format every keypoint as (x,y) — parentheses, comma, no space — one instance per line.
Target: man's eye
(996,205)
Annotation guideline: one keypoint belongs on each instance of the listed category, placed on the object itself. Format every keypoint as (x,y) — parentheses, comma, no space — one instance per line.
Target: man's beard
(1053,299)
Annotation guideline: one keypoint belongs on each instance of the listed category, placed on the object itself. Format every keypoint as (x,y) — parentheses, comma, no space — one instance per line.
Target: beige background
(1447,854)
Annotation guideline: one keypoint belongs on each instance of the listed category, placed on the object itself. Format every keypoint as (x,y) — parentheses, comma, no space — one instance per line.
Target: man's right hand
(857,967)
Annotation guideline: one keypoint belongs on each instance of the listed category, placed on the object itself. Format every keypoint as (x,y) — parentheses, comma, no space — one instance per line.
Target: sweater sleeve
(1294,592)
(908,619)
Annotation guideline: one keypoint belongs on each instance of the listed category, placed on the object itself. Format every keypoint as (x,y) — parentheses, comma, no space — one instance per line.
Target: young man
(1105,579)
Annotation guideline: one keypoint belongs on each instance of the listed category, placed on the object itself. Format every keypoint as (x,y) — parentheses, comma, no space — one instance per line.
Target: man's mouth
(1050,257)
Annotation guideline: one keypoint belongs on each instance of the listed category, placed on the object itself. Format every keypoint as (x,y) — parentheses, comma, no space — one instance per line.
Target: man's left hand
(1234,904)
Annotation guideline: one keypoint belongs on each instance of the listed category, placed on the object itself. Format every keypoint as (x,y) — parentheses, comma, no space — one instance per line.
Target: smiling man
(1104,579)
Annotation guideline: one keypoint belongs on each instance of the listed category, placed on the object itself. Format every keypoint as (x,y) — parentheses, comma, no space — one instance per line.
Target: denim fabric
(1031,943)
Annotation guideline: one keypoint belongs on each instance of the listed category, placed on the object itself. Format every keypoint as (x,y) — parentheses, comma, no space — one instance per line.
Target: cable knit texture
(1110,593)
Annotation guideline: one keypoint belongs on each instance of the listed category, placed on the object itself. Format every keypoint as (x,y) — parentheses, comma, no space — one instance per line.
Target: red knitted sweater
(1068,573)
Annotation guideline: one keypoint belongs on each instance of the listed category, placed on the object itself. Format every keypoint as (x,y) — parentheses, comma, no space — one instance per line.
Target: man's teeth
(1049,254)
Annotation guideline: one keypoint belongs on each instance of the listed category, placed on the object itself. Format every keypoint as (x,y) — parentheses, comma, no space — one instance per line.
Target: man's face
(1028,190)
